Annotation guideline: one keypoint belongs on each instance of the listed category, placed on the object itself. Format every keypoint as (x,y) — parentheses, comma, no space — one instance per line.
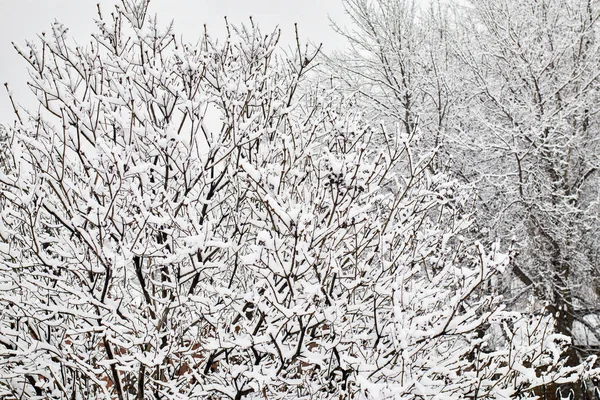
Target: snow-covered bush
(196,221)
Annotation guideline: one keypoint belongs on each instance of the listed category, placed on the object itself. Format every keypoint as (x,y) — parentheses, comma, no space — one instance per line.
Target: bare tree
(535,88)
(503,93)
(401,62)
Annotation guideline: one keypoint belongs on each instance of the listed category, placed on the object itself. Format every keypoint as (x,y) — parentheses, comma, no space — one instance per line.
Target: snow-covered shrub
(199,221)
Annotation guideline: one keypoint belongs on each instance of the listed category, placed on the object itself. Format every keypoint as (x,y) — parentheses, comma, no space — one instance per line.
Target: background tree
(504,94)
(534,85)
(400,61)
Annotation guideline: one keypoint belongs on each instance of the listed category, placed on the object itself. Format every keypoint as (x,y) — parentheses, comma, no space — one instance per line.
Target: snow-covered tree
(533,122)
(400,61)
(196,221)
(504,92)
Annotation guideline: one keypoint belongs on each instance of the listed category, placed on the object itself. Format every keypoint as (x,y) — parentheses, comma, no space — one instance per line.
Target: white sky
(22,20)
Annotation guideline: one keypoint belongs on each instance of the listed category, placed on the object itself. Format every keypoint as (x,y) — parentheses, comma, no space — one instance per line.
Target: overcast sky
(22,20)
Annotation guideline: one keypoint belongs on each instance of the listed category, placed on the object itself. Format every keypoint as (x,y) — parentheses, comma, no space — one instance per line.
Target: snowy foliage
(201,221)
(537,90)
(505,94)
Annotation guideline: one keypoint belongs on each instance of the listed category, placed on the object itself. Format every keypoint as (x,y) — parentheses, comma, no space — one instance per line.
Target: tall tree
(507,92)
(535,85)
(504,95)
(399,60)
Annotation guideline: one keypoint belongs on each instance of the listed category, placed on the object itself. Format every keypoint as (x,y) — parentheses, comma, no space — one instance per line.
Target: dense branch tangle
(193,221)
